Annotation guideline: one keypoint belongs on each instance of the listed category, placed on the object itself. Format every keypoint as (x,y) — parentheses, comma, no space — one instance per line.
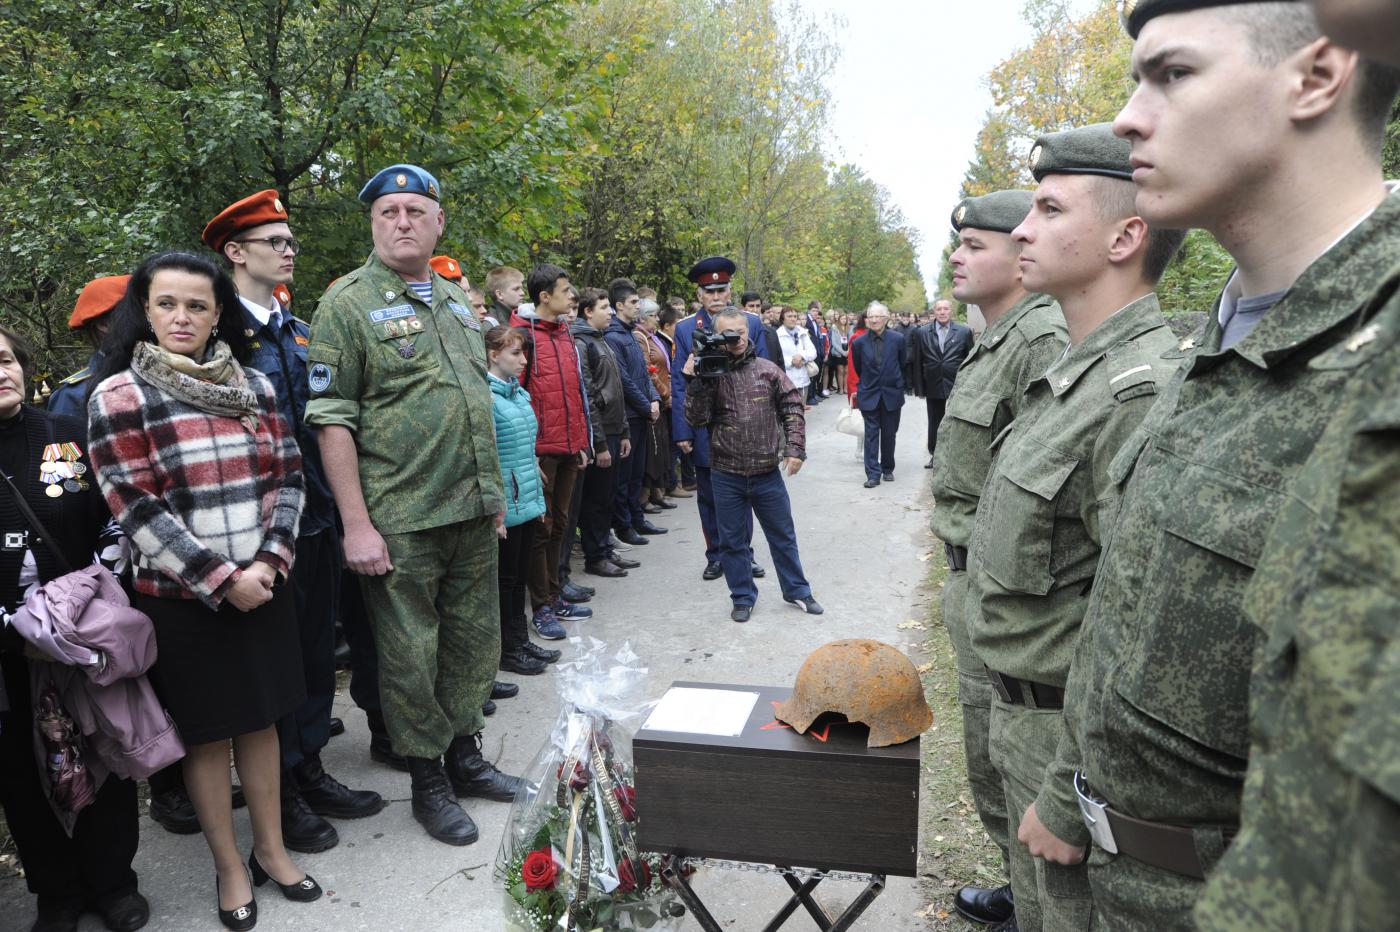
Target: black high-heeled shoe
(304,890)
(239,919)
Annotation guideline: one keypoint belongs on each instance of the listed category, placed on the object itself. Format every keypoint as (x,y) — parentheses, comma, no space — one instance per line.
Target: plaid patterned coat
(199,495)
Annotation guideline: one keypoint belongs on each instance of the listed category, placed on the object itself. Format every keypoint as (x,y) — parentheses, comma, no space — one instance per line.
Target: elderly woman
(205,479)
(44,456)
(658,451)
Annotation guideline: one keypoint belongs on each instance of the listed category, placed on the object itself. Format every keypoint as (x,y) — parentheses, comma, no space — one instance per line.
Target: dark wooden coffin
(771,796)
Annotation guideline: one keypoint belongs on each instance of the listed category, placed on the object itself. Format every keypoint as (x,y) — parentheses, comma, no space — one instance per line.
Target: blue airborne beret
(400,179)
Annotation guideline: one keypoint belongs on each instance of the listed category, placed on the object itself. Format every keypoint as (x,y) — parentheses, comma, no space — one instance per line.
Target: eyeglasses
(279,244)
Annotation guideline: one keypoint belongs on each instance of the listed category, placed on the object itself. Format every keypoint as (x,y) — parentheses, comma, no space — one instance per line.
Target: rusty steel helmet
(866,681)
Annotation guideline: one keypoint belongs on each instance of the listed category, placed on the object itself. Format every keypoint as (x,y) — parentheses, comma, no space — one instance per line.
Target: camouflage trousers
(436,621)
(1050,897)
(1129,894)
(975,695)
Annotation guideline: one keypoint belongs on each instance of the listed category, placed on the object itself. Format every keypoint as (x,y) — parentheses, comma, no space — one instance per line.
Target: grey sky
(909,98)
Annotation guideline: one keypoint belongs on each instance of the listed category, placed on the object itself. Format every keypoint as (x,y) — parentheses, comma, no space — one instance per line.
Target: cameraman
(752,410)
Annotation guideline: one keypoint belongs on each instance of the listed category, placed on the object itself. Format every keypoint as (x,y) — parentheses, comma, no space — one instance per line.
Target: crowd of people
(413,470)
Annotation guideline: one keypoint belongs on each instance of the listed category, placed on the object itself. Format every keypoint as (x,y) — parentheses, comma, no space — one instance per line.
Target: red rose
(633,875)
(578,780)
(539,871)
(627,801)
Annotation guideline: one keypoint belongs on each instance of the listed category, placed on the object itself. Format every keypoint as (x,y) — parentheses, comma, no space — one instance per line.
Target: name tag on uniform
(464,315)
(396,312)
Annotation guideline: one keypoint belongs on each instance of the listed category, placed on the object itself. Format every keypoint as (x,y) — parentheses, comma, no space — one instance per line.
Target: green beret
(1136,13)
(1000,211)
(1086,150)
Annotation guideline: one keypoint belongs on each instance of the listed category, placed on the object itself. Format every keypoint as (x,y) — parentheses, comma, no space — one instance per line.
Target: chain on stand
(750,867)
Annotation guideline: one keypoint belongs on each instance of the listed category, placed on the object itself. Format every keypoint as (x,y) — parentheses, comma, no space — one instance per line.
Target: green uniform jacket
(1320,838)
(1157,704)
(986,398)
(410,382)
(1048,501)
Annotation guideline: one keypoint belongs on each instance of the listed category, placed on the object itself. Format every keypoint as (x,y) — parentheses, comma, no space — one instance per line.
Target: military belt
(1011,690)
(1169,847)
(957,558)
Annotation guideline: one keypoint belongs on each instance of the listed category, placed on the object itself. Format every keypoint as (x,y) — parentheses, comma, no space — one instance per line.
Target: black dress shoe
(330,798)
(302,829)
(542,653)
(305,890)
(663,504)
(337,727)
(626,563)
(173,811)
(888,477)
(434,806)
(651,530)
(809,605)
(58,915)
(489,708)
(651,508)
(929,464)
(501,690)
(124,912)
(758,571)
(742,612)
(871,483)
(579,587)
(473,775)
(985,904)
(630,536)
(712,571)
(605,568)
(240,918)
(521,661)
(575,594)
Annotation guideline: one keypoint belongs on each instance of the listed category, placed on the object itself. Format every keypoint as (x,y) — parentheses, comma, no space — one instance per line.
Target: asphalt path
(860,549)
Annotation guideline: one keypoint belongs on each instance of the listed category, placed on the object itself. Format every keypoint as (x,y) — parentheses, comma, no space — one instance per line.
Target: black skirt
(225,673)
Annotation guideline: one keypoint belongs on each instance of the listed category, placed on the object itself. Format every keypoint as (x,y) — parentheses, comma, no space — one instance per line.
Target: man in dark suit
(879,357)
(937,350)
(813,323)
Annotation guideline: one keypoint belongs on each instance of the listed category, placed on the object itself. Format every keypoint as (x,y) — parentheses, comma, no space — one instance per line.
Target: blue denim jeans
(740,499)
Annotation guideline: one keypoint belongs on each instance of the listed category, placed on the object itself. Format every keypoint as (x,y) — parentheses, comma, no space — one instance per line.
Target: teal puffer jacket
(515,442)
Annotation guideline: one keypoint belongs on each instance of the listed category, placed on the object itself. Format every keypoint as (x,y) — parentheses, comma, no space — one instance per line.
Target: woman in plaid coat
(205,478)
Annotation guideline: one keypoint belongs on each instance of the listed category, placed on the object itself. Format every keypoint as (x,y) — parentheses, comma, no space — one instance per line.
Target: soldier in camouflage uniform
(398,390)
(1320,834)
(1157,700)
(1048,502)
(1025,333)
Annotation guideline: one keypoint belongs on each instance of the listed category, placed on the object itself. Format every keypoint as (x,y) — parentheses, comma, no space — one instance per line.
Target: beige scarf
(216,386)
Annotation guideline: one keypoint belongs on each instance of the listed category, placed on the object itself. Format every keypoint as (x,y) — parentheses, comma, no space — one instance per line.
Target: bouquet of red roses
(569,859)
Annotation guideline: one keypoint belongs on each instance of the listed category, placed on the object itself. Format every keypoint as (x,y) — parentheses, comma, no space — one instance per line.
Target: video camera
(712,356)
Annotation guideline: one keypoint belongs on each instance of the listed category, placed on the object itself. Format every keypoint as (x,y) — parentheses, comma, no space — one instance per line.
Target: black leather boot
(173,811)
(434,806)
(330,798)
(302,829)
(381,749)
(985,904)
(473,775)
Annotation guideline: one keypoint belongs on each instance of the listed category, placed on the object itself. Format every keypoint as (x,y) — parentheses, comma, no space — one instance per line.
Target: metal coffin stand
(822,802)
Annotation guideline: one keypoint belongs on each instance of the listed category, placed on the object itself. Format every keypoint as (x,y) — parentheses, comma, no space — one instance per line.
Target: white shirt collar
(262,314)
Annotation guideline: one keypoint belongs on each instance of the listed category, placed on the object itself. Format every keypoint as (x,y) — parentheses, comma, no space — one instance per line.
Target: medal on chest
(406,349)
(60,470)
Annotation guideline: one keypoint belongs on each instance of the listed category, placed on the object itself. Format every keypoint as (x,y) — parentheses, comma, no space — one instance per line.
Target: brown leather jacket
(755,416)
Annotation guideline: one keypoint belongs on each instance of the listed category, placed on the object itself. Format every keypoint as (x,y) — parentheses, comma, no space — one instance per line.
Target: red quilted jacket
(551,377)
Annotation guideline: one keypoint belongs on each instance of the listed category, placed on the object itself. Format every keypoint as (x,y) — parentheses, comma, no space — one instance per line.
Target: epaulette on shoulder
(1041,321)
(82,375)
(1133,370)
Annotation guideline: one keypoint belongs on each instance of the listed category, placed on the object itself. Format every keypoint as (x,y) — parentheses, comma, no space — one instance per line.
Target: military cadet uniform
(1044,513)
(96,300)
(1157,704)
(1018,348)
(1320,834)
(409,380)
(278,344)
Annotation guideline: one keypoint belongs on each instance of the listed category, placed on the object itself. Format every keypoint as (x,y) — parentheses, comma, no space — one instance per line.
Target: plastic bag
(569,858)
